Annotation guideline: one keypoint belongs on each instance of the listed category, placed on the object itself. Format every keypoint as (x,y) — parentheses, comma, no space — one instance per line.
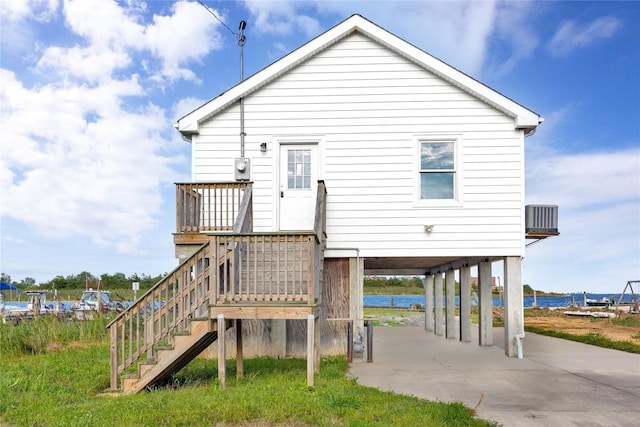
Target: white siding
(367,107)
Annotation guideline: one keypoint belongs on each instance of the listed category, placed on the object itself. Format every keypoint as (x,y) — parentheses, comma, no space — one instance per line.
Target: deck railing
(204,207)
(266,267)
(239,267)
(165,308)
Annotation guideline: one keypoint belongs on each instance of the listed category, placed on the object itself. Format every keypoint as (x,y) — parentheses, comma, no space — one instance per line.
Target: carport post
(485,305)
(465,304)
(439,315)
(450,290)
(513,304)
(428,299)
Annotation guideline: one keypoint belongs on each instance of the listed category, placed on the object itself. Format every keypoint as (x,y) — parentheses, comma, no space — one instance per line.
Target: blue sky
(90,91)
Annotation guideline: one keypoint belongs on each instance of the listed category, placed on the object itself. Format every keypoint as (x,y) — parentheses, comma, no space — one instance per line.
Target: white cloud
(16,34)
(64,175)
(282,17)
(104,23)
(597,251)
(21,10)
(571,35)
(81,156)
(82,63)
(598,197)
(187,105)
(512,29)
(186,36)
(459,33)
(585,179)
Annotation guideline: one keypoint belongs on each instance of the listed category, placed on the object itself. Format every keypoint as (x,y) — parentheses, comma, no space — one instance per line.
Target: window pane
(437,185)
(299,169)
(436,155)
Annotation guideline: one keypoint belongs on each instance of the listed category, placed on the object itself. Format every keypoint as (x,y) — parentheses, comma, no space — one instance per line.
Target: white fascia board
(524,118)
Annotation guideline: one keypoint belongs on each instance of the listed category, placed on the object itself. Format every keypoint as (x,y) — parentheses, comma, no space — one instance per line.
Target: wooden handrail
(163,309)
(244,222)
(320,222)
(208,206)
(235,267)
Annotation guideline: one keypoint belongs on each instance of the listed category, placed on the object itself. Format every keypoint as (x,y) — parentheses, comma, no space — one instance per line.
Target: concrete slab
(557,383)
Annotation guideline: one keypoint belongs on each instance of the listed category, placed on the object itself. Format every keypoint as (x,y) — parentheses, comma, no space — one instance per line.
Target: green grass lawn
(46,386)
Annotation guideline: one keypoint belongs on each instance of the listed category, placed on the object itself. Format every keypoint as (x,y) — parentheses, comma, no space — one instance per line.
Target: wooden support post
(114,356)
(369,324)
(350,341)
(485,305)
(310,349)
(450,291)
(222,352)
(439,315)
(316,343)
(239,356)
(465,304)
(428,306)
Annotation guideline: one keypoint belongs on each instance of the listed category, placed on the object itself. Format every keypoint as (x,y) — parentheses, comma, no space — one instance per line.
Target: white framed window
(438,172)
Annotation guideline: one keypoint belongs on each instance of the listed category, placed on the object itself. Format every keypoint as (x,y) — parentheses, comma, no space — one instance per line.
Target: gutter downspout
(519,337)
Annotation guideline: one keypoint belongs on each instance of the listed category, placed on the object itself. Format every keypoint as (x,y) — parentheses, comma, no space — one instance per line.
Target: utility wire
(219,20)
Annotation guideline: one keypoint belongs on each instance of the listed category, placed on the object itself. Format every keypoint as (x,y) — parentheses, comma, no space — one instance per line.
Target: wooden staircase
(169,359)
(233,276)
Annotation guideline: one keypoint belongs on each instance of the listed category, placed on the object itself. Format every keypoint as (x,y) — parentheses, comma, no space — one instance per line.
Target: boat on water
(602,302)
(37,305)
(94,301)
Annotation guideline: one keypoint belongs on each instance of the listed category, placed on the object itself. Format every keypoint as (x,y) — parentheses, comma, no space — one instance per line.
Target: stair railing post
(114,356)
(239,355)
(222,352)
(310,349)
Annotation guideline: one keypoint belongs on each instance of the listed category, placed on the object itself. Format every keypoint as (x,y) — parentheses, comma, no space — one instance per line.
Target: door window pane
(298,169)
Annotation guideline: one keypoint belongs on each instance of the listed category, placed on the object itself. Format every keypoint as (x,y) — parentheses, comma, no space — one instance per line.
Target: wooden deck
(235,274)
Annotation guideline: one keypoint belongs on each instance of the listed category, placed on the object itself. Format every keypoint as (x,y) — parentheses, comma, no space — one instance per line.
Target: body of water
(541,301)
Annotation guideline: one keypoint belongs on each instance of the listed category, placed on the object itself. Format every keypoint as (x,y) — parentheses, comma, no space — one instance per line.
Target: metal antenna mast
(241,42)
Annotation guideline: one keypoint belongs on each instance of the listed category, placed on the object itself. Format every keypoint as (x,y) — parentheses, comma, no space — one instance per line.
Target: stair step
(168,359)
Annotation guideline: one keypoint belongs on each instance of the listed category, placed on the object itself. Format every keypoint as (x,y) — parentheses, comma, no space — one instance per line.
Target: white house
(423,168)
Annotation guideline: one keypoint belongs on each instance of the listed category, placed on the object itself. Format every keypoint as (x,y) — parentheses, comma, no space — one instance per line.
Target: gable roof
(523,117)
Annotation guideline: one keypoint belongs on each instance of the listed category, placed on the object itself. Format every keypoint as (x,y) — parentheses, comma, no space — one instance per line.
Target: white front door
(298,184)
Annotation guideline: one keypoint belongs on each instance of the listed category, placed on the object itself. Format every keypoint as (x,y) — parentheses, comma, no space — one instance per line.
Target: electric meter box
(242,167)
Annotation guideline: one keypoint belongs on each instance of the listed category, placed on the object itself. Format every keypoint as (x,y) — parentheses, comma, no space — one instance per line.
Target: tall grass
(49,332)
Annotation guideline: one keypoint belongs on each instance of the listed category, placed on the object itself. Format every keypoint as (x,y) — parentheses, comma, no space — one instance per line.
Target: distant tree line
(382,282)
(86,279)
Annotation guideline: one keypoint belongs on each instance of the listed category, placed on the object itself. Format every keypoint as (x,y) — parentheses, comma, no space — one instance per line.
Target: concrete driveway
(557,383)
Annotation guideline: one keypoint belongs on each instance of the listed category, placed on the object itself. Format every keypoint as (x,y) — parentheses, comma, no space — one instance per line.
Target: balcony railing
(205,207)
